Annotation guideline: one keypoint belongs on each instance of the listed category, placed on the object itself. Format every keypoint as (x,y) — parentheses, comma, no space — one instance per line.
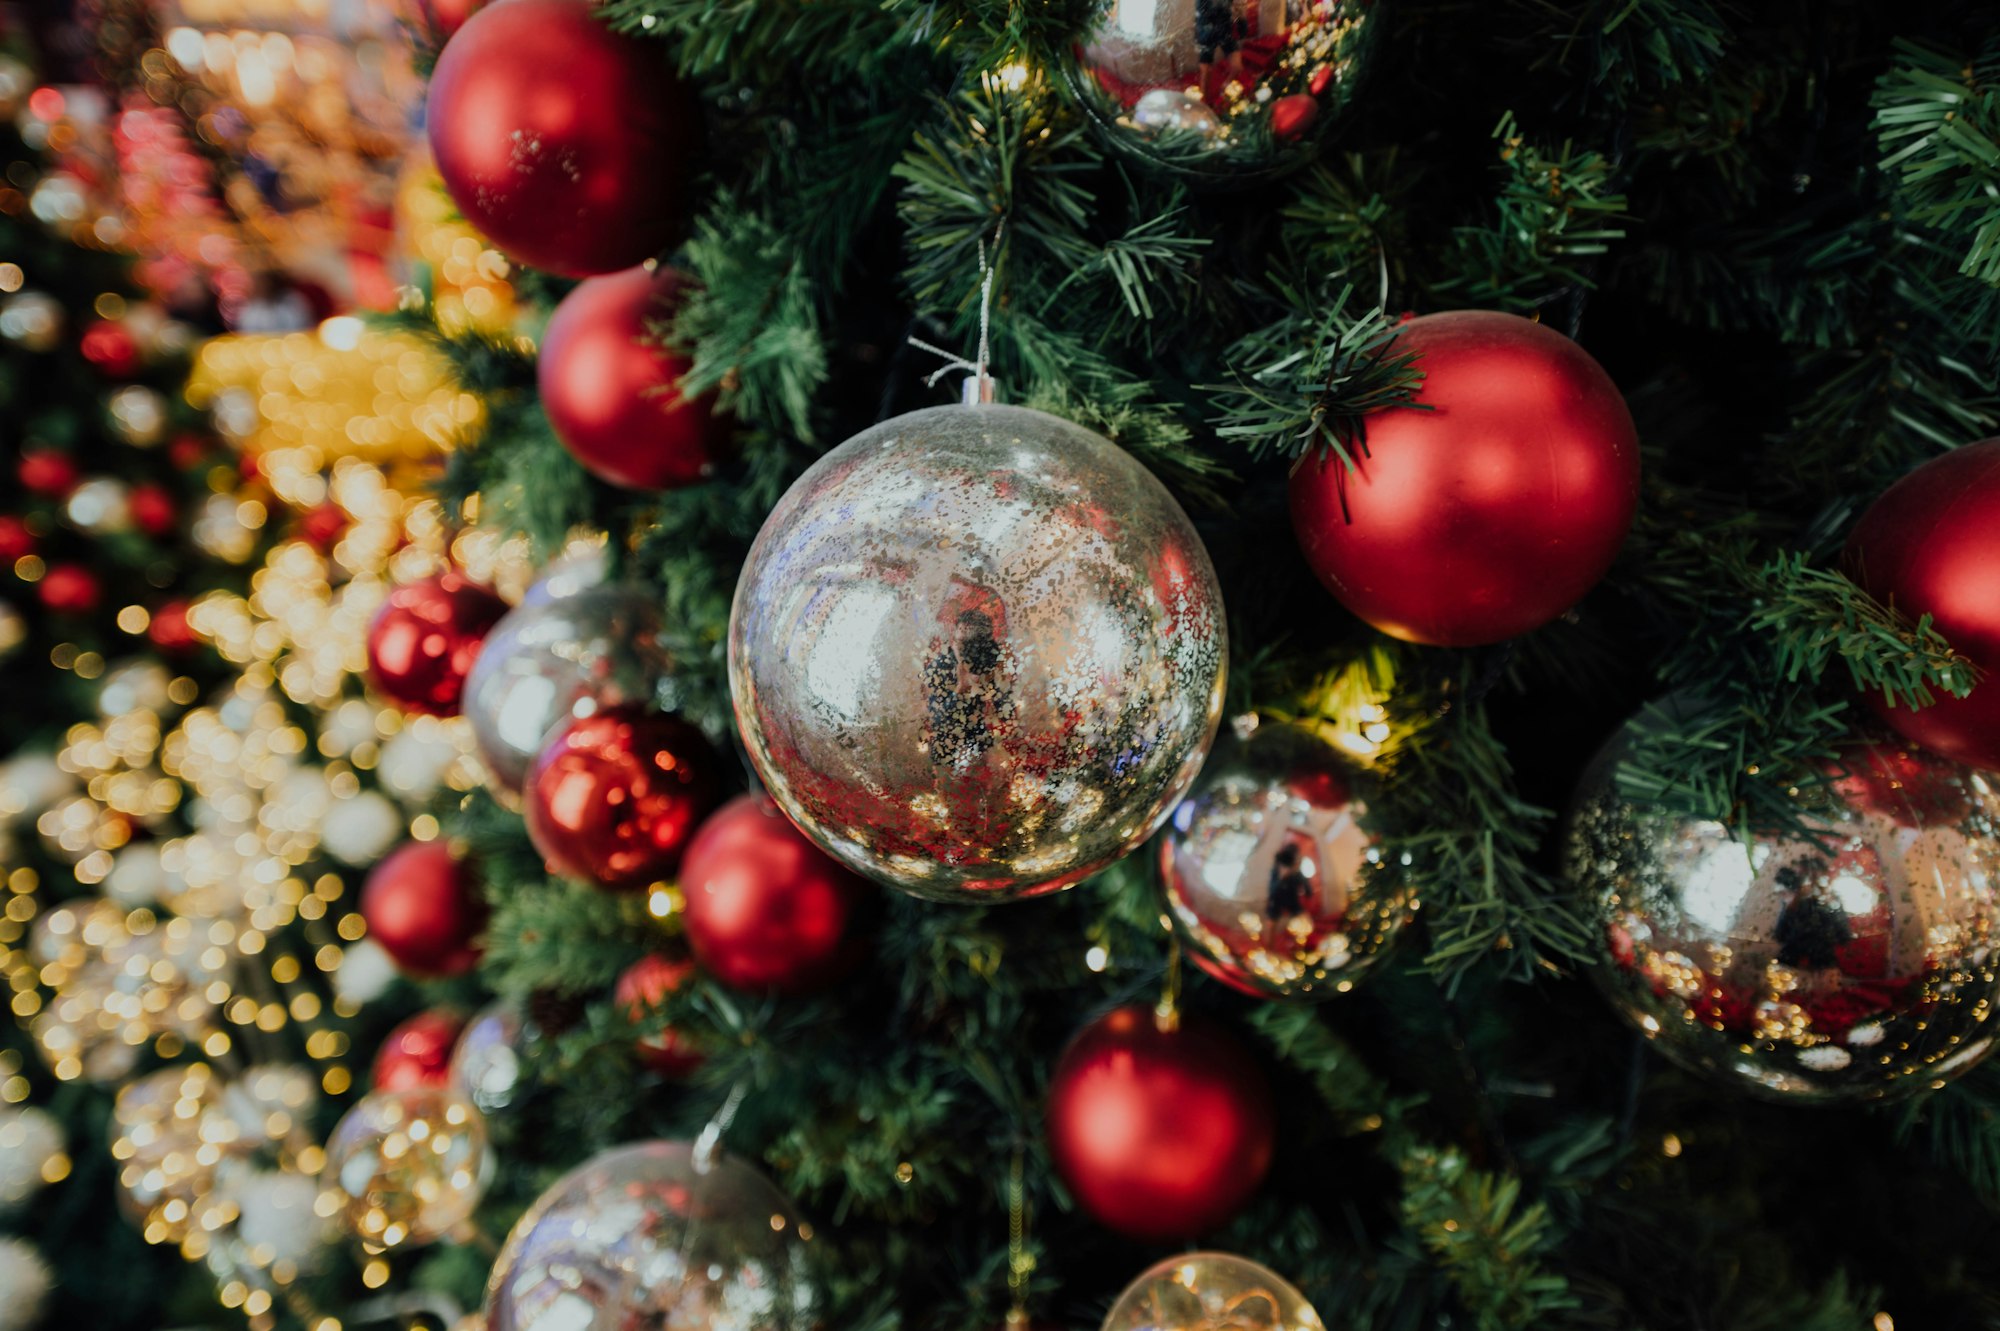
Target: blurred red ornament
(423,908)
(612,397)
(1493,511)
(110,347)
(439,19)
(417,1054)
(569,146)
(70,589)
(1294,115)
(425,638)
(615,798)
(154,509)
(189,450)
(46,471)
(1931,546)
(645,982)
(767,909)
(1160,1133)
(16,541)
(249,468)
(323,526)
(168,628)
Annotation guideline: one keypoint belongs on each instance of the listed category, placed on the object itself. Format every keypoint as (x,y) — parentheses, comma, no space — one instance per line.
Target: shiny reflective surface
(1853,967)
(1271,875)
(411,1165)
(1211,1291)
(642,1237)
(615,798)
(977,652)
(424,639)
(551,660)
(487,1067)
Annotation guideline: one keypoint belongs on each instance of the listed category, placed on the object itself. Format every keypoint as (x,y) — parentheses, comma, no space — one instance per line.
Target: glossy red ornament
(1931,546)
(154,510)
(417,1054)
(47,472)
(422,906)
(767,909)
(615,798)
(425,638)
(1160,1133)
(1292,116)
(439,19)
(168,629)
(70,589)
(645,982)
(110,347)
(613,398)
(1490,513)
(568,145)
(16,541)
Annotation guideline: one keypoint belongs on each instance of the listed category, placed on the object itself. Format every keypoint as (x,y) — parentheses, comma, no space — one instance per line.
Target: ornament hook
(979,386)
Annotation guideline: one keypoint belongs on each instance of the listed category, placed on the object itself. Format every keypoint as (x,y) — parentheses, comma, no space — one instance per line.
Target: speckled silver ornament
(977,653)
(1271,873)
(654,1235)
(1853,964)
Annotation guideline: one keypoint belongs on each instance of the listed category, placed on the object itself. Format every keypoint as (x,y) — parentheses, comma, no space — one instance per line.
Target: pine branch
(1491,1247)
(1937,118)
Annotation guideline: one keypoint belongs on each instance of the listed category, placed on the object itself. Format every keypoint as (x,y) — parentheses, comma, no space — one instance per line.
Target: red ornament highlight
(154,510)
(70,589)
(425,638)
(1161,1133)
(767,909)
(168,629)
(1493,511)
(616,797)
(568,145)
(16,541)
(641,988)
(1931,546)
(613,396)
(422,906)
(417,1054)
(47,472)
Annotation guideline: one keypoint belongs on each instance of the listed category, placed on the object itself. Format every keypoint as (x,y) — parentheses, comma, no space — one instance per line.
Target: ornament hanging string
(979,386)
(708,1146)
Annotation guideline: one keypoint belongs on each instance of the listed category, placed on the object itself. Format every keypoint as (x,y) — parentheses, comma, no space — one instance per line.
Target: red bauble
(16,541)
(110,347)
(47,472)
(417,1054)
(1931,546)
(70,589)
(189,450)
(1292,116)
(1161,1134)
(613,398)
(568,145)
(1489,514)
(767,909)
(439,19)
(169,630)
(425,638)
(615,798)
(422,906)
(323,526)
(154,510)
(640,989)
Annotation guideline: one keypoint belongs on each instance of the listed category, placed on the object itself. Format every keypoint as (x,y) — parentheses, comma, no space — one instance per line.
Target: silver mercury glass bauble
(1855,963)
(486,1063)
(1222,89)
(1271,874)
(655,1235)
(977,653)
(547,663)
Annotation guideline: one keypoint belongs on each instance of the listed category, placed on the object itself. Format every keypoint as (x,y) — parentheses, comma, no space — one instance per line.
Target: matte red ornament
(70,589)
(767,909)
(111,348)
(425,638)
(640,989)
(423,908)
(154,510)
(47,472)
(417,1054)
(568,145)
(614,399)
(168,629)
(1492,512)
(16,541)
(615,798)
(1161,1133)
(1931,546)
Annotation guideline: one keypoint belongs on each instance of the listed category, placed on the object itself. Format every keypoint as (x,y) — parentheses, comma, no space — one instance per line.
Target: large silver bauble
(977,653)
(1222,89)
(644,1235)
(1272,875)
(1854,964)
(547,663)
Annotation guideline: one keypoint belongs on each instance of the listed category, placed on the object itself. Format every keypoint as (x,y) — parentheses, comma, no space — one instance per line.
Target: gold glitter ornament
(410,1165)
(1211,1291)
(1853,963)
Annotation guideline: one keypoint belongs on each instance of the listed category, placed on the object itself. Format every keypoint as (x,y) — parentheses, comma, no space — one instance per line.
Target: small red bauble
(47,472)
(1160,1133)
(568,145)
(613,398)
(640,989)
(1292,116)
(425,638)
(417,1054)
(70,589)
(1490,513)
(422,907)
(154,510)
(110,347)
(615,798)
(323,526)
(767,909)
(16,541)
(189,450)
(168,629)
(439,19)
(1931,546)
